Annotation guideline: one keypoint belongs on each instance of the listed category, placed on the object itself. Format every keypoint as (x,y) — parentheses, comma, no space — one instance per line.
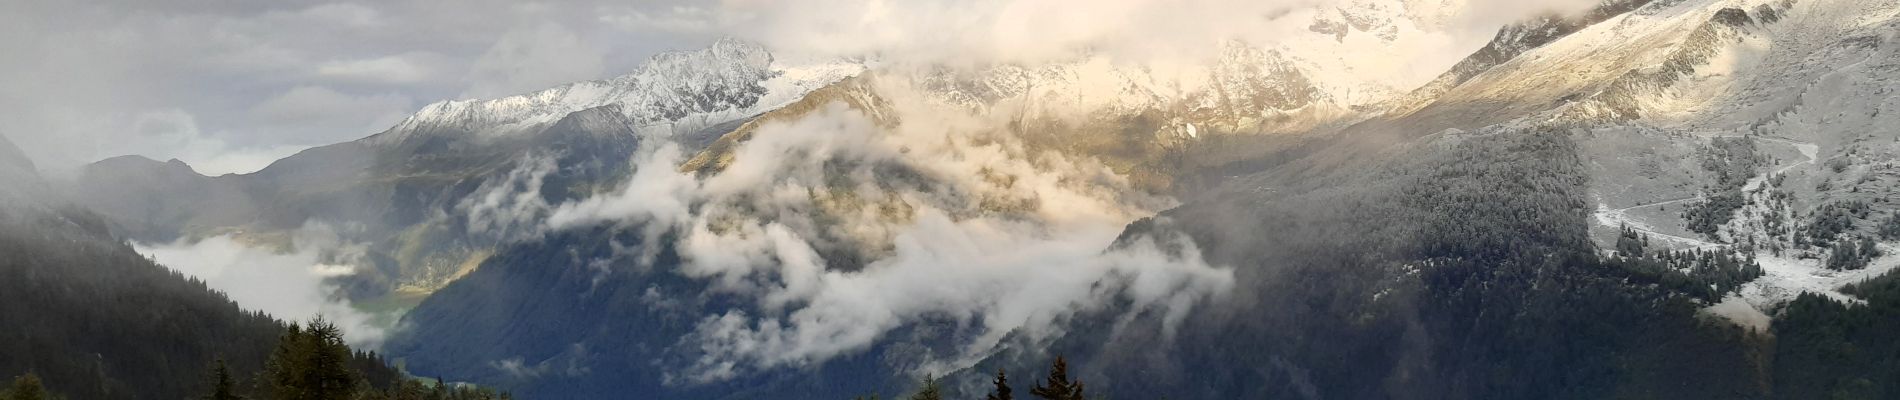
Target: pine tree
(283,374)
(931,391)
(1631,243)
(1002,391)
(441,390)
(222,386)
(1059,387)
(1890,229)
(1843,256)
(310,363)
(26,387)
(328,375)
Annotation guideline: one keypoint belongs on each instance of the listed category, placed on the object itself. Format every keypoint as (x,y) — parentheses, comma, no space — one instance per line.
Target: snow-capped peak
(677,90)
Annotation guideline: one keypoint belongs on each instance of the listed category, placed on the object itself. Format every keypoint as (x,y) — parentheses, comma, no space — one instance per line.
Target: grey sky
(229,85)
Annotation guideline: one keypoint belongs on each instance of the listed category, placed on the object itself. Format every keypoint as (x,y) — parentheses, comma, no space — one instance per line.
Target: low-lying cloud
(957,219)
(291,285)
(509,207)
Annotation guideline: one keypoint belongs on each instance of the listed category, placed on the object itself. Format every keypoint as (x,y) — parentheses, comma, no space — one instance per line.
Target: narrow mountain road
(1620,218)
(1661,203)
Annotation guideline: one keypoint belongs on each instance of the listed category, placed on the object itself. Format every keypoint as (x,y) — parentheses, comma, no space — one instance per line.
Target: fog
(291,285)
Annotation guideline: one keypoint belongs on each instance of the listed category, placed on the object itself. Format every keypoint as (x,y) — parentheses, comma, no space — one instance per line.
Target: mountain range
(1649,199)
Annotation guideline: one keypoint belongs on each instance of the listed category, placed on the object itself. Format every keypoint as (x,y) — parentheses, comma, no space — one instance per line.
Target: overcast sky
(229,85)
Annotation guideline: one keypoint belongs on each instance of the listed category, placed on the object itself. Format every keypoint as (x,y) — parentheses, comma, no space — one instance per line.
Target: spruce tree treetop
(26,387)
(1002,391)
(931,391)
(1059,387)
(222,386)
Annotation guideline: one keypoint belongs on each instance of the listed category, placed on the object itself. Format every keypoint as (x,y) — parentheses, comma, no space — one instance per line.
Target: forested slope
(93,319)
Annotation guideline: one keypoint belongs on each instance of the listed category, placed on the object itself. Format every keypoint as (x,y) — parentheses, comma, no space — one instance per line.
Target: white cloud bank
(291,286)
(960,220)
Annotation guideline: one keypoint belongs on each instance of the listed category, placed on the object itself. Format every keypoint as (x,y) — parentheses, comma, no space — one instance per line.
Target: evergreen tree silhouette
(310,363)
(1002,391)
(1059,387)
(222,386)
(26,387)
(283,372)
(329,376)
(441,390)
(931,391)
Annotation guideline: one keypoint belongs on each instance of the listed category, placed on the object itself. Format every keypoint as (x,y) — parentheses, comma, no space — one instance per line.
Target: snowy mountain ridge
(1353,55)
(678,91)
(1346,61)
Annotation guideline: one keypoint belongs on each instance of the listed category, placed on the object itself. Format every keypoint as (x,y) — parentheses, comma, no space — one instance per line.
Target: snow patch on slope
(1786,278)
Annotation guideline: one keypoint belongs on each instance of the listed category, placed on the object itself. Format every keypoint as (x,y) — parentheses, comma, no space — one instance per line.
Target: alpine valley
(1646,199)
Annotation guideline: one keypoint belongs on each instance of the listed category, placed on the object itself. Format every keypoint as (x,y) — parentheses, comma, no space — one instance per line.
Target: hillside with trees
(84,316)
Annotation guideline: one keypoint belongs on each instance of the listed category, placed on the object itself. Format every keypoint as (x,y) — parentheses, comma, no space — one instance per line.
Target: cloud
(533,58)
(345,14)
(571,363)
(404,69)
(673,19)
(1484,14)
(313,111)
(1030,31)
(289,285)
(648,196)
(510,207)
(957,219)
(178,131)
(237,161)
